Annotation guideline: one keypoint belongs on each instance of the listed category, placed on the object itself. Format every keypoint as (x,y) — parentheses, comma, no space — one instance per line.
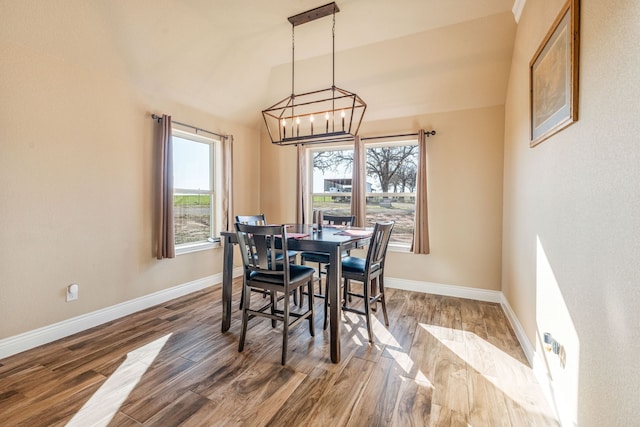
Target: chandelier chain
(293,58)
(333,58)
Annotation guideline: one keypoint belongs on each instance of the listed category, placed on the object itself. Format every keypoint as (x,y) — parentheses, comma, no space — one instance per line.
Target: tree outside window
(391,169)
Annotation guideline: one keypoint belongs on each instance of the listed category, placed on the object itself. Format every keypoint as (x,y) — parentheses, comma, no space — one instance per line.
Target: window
(391,169)
(331,181)
(194,195)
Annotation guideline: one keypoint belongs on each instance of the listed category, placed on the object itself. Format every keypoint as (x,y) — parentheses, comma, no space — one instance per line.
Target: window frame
(215,147)
(393,246)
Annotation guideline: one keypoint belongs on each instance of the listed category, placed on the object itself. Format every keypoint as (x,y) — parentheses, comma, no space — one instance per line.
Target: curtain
(301,185)
(227,184)
(358,189)
(420,243)
(166,243)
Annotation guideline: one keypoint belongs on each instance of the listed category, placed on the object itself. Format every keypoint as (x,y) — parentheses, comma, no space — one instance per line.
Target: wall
(465,195)
(76,188)
(571,224)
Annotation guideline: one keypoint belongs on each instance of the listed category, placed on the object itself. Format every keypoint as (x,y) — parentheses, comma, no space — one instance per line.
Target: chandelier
(325,115)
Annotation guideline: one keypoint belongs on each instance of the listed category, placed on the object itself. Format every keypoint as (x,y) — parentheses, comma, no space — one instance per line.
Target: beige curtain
(358,189)
(420,243)
(301,185)
(166,243)
(227,183)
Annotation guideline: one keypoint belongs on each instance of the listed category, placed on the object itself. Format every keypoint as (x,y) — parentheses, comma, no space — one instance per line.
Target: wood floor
(443,361)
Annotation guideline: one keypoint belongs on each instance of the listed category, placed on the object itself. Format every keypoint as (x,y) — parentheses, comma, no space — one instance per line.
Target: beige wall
(465,195)
(76,168)
(571,223)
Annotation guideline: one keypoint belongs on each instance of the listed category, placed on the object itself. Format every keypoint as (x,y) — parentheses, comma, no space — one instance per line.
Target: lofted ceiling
(232,58)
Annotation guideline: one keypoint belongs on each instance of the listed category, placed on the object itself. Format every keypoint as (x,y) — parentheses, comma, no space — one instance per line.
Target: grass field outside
(192,218)
(192,215)
(399,209)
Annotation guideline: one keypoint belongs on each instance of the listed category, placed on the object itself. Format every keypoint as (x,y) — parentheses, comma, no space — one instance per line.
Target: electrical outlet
(553,346)
(72,292)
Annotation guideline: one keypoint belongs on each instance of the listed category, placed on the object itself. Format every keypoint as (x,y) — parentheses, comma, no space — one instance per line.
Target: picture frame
(553,76)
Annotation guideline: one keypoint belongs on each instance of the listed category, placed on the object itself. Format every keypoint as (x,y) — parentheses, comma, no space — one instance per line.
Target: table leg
(227,283)
(335,306)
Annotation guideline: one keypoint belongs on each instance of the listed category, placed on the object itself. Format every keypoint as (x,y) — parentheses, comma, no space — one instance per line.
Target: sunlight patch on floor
(509,375)
(393,347)
(106,401)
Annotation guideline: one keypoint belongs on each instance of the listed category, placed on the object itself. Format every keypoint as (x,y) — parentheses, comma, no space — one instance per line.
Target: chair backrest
(258,249)
(340,220)
(252,219)
(378,245)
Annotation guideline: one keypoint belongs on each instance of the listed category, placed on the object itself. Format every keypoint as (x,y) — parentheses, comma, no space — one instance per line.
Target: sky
(190,164)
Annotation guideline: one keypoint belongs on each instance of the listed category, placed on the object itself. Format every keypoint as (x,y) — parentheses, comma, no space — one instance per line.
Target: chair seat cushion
(296,273)
(354,264)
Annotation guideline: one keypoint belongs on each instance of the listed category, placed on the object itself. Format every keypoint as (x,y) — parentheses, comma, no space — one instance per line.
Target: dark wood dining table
(331,240)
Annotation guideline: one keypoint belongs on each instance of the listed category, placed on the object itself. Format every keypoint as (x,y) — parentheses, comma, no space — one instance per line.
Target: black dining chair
(322,258)
(263,271)
(260,219)
(369,271)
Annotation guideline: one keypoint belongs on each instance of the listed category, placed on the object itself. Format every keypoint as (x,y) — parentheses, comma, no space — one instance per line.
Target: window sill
(399,248)
(196,247)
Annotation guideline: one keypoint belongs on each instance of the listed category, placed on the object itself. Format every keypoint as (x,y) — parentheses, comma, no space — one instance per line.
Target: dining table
(332,240)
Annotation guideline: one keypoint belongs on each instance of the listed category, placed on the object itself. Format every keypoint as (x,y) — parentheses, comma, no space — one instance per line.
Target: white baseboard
(25,341)
(31,339)
(446,290)
(527,347)
(44,335)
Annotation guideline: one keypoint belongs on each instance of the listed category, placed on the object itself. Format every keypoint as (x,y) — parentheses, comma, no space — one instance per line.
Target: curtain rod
(197,129)
(427,133)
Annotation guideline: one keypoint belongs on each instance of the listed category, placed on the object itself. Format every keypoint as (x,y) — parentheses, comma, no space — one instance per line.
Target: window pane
(391,186)
(192,217)
(193,190)
(191,164)
(400,209)
(331,181)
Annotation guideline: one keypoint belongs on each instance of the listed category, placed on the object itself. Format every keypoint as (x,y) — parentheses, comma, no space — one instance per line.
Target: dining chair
(260,219)
(369,271)
(263,271)
(322,258)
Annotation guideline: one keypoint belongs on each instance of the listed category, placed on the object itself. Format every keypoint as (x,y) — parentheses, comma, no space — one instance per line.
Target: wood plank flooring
(442,362)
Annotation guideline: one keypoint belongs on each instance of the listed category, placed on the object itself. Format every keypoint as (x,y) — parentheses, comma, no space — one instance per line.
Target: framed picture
(553,76)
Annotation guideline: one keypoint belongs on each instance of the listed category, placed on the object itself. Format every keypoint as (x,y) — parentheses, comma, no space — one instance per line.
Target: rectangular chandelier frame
(327,115)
